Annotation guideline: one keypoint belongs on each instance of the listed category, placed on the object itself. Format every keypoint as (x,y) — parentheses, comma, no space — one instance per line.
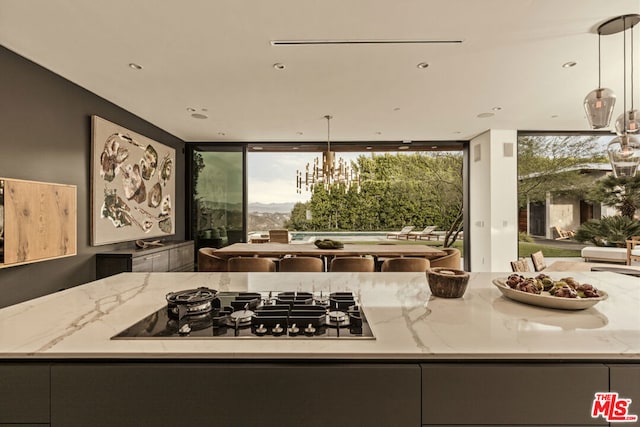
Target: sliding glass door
(217,196)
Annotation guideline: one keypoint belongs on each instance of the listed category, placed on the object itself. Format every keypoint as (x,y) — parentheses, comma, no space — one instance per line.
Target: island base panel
(235,394)
(24,394)
(512,394)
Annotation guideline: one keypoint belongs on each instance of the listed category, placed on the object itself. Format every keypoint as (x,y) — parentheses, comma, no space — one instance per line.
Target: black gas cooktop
(204,313)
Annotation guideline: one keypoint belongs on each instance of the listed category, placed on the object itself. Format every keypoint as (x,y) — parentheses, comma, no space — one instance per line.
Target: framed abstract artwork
(133,185)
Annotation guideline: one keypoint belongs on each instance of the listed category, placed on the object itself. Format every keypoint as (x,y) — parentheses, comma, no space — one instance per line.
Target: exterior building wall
(564,213)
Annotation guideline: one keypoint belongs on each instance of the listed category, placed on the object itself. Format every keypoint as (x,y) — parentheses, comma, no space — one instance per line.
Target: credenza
(172,256)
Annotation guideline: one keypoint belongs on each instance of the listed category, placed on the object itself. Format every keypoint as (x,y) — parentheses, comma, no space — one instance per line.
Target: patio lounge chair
(427,232)
(402,234)
(560,234)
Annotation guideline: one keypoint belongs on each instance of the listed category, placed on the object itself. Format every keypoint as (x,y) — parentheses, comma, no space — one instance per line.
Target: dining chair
(279,236)
(405,264)
(450,260)
(209,261)
(520,265)
(301,264)
(633,249)
(251,264)
(352,264)
(537,258)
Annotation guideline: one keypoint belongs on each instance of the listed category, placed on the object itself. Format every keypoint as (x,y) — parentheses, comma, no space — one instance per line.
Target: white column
(493,201)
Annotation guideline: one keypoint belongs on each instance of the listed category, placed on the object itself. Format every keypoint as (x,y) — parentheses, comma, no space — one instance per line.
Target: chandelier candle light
(624,150)
(328,174)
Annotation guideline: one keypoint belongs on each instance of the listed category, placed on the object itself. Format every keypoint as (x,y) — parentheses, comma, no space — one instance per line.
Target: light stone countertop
(407,321)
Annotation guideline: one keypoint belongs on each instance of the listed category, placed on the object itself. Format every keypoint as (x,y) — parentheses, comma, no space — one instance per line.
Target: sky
(272,176)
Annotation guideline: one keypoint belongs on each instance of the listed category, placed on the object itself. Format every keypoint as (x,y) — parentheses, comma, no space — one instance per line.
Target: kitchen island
(430,357)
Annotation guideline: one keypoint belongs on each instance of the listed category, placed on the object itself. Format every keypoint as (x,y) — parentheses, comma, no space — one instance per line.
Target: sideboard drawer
(158,261)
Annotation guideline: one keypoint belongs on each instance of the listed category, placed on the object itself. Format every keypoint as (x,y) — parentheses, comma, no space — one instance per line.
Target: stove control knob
(261,330)
(277,330)
(294,330)
(184,329)
(309,330)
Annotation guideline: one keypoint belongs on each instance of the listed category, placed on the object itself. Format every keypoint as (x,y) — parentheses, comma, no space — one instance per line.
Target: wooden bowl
(447,282)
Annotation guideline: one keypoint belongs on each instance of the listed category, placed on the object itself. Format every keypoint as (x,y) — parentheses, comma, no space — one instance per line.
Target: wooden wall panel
(40,221)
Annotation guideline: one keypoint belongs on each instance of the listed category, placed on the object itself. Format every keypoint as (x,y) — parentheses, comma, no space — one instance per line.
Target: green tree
(550,163)
(623,193)
(298,219)
(419,189)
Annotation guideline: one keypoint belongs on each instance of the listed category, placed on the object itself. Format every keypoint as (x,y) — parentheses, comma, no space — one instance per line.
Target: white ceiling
(216,55)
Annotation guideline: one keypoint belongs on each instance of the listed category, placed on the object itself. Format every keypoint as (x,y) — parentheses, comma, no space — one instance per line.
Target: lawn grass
(525,249)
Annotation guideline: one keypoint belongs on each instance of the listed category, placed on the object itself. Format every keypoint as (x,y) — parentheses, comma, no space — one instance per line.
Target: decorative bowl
(447,282)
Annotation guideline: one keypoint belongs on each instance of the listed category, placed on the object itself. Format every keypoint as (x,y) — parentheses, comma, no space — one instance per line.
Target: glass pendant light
(599,103)
(628,122)
(624,155)
(624,150)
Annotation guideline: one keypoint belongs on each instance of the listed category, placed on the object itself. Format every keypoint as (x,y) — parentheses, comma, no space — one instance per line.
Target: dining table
(309,249)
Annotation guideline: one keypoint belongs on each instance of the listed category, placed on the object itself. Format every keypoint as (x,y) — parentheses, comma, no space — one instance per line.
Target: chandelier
(623,150)
(329,173)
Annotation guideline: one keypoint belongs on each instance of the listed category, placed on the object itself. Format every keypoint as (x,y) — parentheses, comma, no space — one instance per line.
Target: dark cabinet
(511,394)
(625,380)
(227,394)
(172,256)
(285,394)
(24,394)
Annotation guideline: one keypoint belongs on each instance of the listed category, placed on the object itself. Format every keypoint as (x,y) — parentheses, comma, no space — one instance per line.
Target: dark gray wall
(45,135)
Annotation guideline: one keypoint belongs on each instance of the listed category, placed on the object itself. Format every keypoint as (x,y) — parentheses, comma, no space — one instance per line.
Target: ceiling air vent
(332,42)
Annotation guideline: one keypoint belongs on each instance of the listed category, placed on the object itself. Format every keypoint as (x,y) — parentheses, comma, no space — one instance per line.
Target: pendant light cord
(631,68)
(599,64)
(624,72)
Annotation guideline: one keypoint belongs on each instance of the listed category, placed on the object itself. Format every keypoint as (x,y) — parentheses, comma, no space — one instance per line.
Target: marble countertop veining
(407,321)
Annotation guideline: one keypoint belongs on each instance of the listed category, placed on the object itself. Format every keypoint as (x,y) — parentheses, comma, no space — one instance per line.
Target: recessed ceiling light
(135,66)
(295,148)
(299,133)
(569,64)
(279,66)
(555,116)
(368,147)
(497,108)
(199,116)
(257,148)
(378,133)
(403,147)
(396,109)
(457,132)
(423,65)
(204,109)
(485,115)
(222,134)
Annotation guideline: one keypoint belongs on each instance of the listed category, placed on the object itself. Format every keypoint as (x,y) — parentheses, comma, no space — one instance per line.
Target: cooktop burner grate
(205,314)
